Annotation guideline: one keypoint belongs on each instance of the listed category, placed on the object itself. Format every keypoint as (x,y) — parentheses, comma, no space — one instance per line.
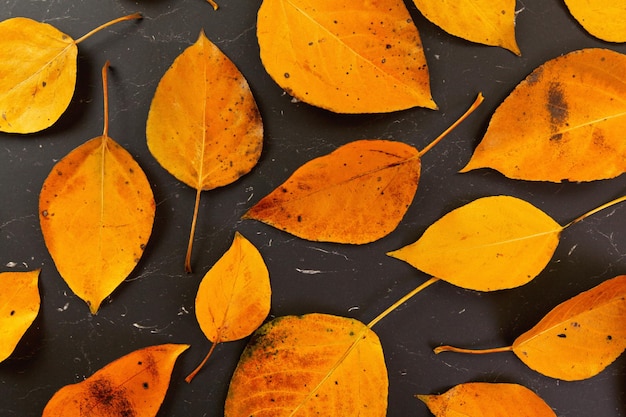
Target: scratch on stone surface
(329,252)
(310,271)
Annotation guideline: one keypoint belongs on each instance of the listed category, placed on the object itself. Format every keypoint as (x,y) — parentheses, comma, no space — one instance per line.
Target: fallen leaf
(37,73)
(563,122)
(234,297)
(96,211)
(483,21)
(482,399)
(19,306)
(314,364)
(604,19)
(204,126)
(343,56)
(578,339)
(133,385)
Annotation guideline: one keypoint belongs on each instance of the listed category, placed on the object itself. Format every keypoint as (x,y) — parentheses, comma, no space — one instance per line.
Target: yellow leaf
(345,57)
(37,73)
(483,21)
(234,297)
(96,211)
(310,365)
(133,385)
(204,126)
(19,306)
(565,121)
(481,399)
(603,19)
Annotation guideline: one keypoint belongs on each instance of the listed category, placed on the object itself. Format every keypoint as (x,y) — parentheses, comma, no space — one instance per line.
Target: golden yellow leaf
(204,126)
(310,365)
(489,22)
(37,73)
(96,211)
(482,399)
(346,57)
(133,385)
(565,121)
(603,19)
(19,306)
(234,297)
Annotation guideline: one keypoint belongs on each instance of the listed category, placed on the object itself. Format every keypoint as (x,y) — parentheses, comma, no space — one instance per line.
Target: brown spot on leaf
(113,399)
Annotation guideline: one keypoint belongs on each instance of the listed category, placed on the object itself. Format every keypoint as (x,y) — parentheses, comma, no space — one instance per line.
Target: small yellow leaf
(481,399)
(19,306)
(133,385)
(489,22)
(604,19)
(310,365)
(343,56)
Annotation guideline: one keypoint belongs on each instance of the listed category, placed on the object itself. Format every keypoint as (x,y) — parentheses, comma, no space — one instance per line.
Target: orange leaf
(347,59)
(19,306)
(563,122)
(133,385)
(603,19)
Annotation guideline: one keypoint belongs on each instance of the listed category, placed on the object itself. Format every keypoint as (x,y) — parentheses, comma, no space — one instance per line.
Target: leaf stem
(105,88)
(594,211)
(213,3)
(106,25)
(199,367)
(470,110)
(192,232)
(447,348)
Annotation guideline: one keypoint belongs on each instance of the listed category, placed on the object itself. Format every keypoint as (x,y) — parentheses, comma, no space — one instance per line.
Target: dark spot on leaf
(13,313)
(286,75)
(557,105)
(561,335)
(43,84)
(299,219)
(44,213)
(609,337)
(145,385)
(111,400)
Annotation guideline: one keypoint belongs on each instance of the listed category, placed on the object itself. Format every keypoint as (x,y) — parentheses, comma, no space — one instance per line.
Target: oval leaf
(481,399)
(483,21)
(580,337)
(356,194)
(604,19)
(563,122)
(492,243)
(19,306)
(326,54)
(310,365)
(134,385)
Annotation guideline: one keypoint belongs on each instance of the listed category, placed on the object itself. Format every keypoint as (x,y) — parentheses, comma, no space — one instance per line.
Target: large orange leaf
(345,56)
(565,121)
(604,19)
(37,73)
(488,22)
(96,210)
(310,365)
(133,385)
(204,126)
(19,306)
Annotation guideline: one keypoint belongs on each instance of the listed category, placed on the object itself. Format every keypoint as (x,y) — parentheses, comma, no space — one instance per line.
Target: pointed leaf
(603,19)
(356,194)
(19,306)
(343,58)
(483,21)
(492,243)
(134,385)
(310,365)
(563,122)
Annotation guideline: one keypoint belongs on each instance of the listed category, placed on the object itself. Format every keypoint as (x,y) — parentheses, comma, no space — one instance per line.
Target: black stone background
(156,303)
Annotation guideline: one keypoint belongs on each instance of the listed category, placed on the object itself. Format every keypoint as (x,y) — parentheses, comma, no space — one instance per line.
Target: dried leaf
(343,57)
(565,121)
(603,19)
(204,126)
(481,399)
(234,297)
(19,306)
(96,211)
(310,365)
(134,385)
(37,73)
(483,21)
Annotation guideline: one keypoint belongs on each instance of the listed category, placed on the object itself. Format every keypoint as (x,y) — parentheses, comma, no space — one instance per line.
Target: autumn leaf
(19,306)
(483,21)
(356,194)
(133,385)
(346,57)
(482,399)
(308,365)
(96,211)
(204,126)
(37,73)
(578,339)
(604,19)
(565,121)
(234,297)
